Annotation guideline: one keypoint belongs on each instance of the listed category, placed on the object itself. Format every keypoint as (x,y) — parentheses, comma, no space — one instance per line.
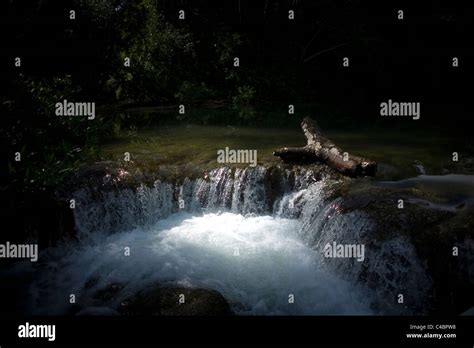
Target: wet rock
(432,231)
(470,311)
(109,292)
(388,172)
(420,168)
(97,311)
(169,301)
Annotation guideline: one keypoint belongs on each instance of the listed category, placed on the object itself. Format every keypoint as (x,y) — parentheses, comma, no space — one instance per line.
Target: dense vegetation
(192,62)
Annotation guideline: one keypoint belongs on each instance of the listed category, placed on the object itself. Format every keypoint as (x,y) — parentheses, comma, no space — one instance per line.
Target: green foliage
(190,93)
(98,12)
(51,146)
(42,95)
(160,54)
(243,103)
(227,45)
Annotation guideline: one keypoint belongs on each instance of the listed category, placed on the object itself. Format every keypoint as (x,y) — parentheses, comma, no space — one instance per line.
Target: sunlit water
(257,253)
(255,262)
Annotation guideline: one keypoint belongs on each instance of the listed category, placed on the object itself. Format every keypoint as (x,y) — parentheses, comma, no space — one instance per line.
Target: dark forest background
(190,61)
(281,60)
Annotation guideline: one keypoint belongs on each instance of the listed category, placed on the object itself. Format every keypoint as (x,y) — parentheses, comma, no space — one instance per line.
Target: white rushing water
(255,262)
(254,236)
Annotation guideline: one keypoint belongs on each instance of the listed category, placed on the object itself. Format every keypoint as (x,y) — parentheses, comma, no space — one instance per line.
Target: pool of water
(260,264)
(400,154)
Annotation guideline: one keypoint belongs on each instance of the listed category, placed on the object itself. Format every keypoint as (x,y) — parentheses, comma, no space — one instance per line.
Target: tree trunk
(321,149)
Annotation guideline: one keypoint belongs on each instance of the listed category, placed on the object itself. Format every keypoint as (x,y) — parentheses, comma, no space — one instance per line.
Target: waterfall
(389,266)
(277,221)
(242,191)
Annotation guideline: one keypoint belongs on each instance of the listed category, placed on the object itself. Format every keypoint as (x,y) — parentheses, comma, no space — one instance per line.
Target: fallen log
(321,149)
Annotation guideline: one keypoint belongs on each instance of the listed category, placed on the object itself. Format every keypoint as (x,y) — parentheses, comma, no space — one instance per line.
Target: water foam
(277,256)
(256,262)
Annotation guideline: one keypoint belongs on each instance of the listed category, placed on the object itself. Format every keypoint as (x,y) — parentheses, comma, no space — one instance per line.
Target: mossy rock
(433,233)
(166,301)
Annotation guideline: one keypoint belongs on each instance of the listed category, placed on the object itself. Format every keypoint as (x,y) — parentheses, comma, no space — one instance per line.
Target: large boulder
(176,301)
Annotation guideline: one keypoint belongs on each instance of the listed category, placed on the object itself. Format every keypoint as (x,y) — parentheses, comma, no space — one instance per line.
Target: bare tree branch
(324,51)
(309,43)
